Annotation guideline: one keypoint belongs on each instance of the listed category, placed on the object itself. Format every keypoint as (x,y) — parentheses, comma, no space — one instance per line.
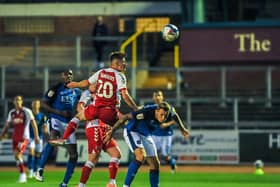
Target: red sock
(71,127)
(21,167)
(113,169)
(85,174)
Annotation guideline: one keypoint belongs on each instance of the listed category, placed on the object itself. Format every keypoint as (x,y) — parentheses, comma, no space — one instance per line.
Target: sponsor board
(207,146)
(62,155)
(263,146)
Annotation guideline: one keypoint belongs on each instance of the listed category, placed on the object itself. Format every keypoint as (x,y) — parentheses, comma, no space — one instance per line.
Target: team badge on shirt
(50,93)
(140,116)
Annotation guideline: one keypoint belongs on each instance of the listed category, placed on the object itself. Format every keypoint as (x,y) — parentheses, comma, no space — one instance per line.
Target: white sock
(81,184)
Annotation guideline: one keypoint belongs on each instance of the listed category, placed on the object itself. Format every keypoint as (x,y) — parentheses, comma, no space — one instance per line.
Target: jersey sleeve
(29,115)
(9,118)
(121,81)
(93,79)
(51,93)
(85,97)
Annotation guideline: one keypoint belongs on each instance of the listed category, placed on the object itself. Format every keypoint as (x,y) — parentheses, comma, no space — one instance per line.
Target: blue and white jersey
(62,98)
(168,131)
(143,120)
(41,120)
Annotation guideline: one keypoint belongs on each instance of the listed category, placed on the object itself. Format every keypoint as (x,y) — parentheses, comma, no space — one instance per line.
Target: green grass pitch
(100,178)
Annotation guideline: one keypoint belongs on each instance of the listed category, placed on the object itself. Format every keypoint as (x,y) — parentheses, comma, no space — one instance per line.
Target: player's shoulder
(27,110)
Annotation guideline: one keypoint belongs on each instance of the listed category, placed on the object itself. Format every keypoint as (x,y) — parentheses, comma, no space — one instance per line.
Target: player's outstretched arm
(81,84)
(128,100)
(117,125)
(183,128)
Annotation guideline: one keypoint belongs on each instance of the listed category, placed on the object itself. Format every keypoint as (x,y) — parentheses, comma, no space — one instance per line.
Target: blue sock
(70,166)
(172,163)
(45,155)
(154,178)
(29,161)
(36,162)
(131,172)
(32,163)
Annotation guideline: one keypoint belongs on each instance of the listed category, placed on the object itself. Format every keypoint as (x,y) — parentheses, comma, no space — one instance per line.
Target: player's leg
(87,168)
(38,153)
(152,159)
(55,129)
(135,145)
(18,149)
(31,158)
(94,149)
(166,152)
(71,147)
(114,152)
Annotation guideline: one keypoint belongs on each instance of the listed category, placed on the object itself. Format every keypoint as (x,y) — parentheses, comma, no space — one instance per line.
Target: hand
(65,114)
(71,85)
(37,140)
(185,133)
(107,136)
(163,125)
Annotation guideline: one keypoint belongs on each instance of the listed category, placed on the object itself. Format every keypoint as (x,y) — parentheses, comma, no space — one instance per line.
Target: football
(258,164)
(170,32)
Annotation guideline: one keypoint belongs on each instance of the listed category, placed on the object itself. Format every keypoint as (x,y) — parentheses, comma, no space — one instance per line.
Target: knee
(140,155)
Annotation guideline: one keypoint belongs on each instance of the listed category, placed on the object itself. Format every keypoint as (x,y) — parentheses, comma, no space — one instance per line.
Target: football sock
(131,172)
(172,163)
(20,165)
(32,164)
(29,164)
(36,162)
(86,172)
(154,178)
(113,167)
(70,166)
(45,155)
(71,127)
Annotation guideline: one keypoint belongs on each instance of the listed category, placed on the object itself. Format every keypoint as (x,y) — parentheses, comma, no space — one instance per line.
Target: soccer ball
(258,164)
(170,33)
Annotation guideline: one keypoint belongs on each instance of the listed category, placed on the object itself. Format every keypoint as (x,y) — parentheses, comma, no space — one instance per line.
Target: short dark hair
(165,106)
(116,55)
(69,74)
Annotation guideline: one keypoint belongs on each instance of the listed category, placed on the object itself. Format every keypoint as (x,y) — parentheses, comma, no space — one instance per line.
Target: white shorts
(60,126)
(135,140)
(163,144)
(37,147)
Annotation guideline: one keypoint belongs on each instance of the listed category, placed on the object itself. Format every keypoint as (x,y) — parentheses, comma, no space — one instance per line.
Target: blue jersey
(168,131)
(40,119)
(62,98)
(143,120)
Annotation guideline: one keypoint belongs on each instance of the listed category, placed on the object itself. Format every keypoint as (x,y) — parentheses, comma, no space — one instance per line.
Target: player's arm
(167,124)
(48,108)
(128,100)
(5,129)
(117,125)
(34,125)
(179,121)
(35,130)
(80,84)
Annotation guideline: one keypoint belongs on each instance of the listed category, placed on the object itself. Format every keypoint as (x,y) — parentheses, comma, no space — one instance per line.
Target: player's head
(118,61)
(158,96)
(36,104)
(18,101)
(67,76)
(162,111)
